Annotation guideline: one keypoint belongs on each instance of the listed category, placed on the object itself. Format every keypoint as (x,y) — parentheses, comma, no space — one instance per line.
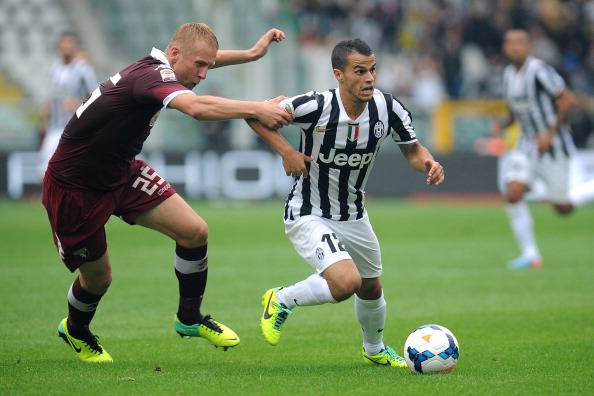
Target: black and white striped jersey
(530,93)
(343,150)
(75,80)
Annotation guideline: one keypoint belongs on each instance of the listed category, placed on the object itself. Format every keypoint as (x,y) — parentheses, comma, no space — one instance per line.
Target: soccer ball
(431,349)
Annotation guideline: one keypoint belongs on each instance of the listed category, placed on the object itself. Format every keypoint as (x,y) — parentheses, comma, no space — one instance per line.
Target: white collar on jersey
(524,66)
(159,55)
(342,109)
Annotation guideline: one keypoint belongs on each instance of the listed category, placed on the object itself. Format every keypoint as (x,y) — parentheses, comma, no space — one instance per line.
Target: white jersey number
(96,93)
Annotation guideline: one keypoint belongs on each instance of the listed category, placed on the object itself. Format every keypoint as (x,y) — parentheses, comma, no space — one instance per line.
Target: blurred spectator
(427,88)
(71,80)
(459,35)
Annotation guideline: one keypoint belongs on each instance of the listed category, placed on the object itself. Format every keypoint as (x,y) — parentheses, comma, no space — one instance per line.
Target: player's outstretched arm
(214,108)
(234,57)
(421,159)
(293,160)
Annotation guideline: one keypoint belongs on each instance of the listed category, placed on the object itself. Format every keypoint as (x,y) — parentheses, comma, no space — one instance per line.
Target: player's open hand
(294,163)
(261,47)
(272,115)
(435,173)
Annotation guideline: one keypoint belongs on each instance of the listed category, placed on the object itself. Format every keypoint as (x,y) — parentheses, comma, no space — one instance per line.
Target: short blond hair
(190,32)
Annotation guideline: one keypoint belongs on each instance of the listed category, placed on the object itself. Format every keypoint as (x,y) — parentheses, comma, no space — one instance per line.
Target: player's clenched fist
(261,47)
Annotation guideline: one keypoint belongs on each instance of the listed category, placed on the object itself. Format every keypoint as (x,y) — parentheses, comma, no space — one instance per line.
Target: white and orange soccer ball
(431,349)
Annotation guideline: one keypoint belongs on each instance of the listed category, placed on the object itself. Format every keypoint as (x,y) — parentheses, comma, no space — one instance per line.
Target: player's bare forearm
(235,57)
(214,108)
(294,161)
(416,155)
(565,103)
(421,159)
(272,137)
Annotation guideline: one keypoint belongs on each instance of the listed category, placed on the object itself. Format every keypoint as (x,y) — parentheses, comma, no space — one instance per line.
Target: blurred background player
(325,216)
(94,174)
(539,100)
(71,80)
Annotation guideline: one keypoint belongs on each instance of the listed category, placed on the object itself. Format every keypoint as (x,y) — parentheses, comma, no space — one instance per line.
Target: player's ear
(338,74)
(173,53)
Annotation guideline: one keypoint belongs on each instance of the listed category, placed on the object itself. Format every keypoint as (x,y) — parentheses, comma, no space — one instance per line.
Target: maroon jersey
(109,129)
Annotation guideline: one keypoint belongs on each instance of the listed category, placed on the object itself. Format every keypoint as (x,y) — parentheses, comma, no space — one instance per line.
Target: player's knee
(513,197)
(370,290)
(346,287)
(194,234)
(564,209)
(514,192)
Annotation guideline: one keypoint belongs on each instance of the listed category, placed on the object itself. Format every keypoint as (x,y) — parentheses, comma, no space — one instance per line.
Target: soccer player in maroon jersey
(93,175)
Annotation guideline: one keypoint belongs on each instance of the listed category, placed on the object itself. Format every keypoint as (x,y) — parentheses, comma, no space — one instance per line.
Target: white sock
(371,314)
(523,228)
(313,290)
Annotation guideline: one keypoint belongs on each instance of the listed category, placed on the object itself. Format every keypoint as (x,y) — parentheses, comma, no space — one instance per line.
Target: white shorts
(322,242)
(48,146)
(517,166)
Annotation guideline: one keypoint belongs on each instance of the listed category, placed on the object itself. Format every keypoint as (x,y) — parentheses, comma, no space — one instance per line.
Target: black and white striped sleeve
(551,80)
(401,127)
(88,80)
(304,107)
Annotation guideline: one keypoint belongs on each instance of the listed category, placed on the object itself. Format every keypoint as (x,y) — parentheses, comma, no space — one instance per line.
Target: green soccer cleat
(273,317)
(386,357)
(215,332)
(87,349)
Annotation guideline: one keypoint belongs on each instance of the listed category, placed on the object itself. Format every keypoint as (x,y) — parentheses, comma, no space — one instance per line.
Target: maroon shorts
(78,217)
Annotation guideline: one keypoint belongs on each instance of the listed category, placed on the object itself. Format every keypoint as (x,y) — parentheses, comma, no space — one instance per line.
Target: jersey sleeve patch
(305,109)
(167,74)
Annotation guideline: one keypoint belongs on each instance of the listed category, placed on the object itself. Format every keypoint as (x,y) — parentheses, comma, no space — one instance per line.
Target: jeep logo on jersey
(340,158)
(378,129)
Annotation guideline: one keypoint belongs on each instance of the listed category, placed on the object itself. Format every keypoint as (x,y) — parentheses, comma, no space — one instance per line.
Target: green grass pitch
(527,332)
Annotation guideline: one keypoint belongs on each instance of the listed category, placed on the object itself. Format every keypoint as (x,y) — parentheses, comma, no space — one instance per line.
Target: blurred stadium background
(524,332)
(441,57)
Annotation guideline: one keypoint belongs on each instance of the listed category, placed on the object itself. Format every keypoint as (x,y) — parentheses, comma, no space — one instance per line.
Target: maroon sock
(81,308)
(191,269)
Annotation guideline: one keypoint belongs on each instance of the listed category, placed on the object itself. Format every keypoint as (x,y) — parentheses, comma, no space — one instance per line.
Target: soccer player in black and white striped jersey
(71,80)
(538,99)
(325,217)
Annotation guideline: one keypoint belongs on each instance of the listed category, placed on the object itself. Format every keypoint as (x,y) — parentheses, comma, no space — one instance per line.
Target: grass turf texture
(524,332)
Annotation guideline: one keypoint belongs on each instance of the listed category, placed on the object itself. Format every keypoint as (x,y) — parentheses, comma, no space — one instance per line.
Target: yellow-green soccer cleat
(386,357)
(273,317)
(88,349)
(215,332)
